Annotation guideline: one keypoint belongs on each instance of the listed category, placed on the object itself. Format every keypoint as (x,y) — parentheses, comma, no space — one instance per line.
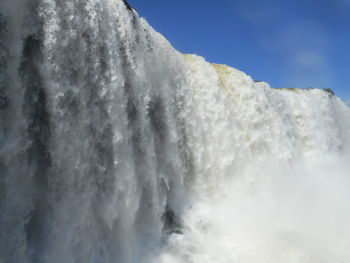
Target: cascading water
(114,147)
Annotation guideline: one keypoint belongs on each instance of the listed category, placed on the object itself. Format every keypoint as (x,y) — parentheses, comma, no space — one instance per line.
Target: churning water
(114,147)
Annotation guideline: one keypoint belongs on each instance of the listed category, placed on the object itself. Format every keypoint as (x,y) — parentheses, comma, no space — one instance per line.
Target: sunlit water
(114,147)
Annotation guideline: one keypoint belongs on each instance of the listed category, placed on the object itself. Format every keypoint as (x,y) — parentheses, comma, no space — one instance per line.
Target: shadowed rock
(171,222)
(329,91)
(129,7)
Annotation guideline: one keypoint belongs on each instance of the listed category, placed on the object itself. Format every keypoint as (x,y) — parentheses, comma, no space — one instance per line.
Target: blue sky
(300,43)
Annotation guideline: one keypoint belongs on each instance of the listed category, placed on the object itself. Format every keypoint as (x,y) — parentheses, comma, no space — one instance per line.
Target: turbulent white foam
(278,214)
(116,148)
(271,173)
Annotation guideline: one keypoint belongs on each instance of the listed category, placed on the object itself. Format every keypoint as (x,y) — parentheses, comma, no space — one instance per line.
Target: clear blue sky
(300,43)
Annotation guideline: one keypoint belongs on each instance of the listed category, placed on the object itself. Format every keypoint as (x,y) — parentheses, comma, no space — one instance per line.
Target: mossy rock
(296,90)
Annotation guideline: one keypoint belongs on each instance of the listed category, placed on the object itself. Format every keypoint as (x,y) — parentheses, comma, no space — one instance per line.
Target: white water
(114,147)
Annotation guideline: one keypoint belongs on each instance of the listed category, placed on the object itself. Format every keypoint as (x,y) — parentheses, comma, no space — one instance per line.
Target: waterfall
(115,147)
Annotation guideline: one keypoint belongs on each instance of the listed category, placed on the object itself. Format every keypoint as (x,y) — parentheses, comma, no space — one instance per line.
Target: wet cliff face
(111,142)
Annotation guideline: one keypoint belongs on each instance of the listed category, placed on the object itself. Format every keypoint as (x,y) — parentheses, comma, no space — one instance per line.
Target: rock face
(129,7)
(114,147)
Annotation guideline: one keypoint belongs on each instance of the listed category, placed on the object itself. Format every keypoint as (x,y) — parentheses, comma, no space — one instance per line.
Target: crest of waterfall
(114,147)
